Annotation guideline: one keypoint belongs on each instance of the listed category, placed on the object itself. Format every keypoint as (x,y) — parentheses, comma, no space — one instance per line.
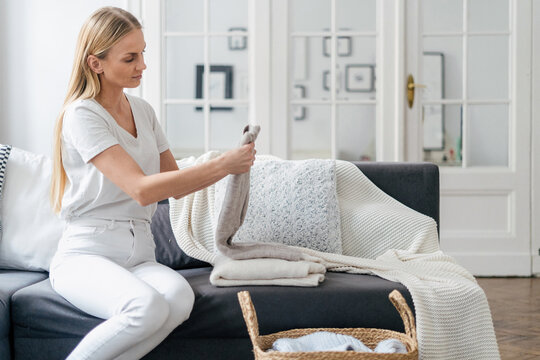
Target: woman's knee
(181,299)
(147,312)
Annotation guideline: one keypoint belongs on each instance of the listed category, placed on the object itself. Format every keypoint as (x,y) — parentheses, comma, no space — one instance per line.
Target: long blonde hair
(103,29)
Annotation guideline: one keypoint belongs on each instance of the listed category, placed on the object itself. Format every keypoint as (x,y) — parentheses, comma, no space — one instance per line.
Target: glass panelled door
(465,67)
(331,91)
(468,61)
(205,75)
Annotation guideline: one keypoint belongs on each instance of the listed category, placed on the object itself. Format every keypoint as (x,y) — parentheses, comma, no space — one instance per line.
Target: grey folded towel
(233,213)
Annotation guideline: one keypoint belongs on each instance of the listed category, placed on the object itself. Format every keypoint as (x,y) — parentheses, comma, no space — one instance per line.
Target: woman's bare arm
(167,162)
(120,168)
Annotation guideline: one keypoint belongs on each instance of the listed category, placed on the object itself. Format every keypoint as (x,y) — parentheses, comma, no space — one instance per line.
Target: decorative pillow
(292,203)
(167,250)
(5,150)
(30,229)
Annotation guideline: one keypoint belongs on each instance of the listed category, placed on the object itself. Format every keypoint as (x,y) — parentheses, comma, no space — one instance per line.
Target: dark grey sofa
(38,324)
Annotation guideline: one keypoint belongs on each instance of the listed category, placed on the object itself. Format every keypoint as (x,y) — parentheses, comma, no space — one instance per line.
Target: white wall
(37,39)
(535,158)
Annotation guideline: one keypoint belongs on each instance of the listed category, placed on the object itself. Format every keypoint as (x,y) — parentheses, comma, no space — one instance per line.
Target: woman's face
(124,64)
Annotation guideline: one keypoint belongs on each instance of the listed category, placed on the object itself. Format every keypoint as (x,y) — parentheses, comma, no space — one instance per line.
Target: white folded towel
(228,272)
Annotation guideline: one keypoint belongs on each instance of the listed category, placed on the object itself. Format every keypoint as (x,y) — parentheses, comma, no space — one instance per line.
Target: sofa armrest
(413,184)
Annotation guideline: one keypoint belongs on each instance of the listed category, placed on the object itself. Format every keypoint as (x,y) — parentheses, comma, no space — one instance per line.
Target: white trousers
(108,269)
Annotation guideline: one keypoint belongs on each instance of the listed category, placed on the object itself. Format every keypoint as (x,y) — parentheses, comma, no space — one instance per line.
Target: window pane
(226,127)
(488,67)
(310,134)
(497,20)
(309,15)
(181,65)
(442,15)
(184,15)
(487,143)
(356,15)
(310,67)
(227,15)
(451,72)
(185,130)
(229,75)
(356,132)
(449,119)
(357,72)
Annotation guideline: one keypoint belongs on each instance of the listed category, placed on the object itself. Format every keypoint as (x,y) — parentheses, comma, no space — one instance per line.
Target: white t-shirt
(88,129)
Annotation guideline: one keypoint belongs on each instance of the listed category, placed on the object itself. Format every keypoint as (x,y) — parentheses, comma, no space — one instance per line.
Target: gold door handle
(410,89)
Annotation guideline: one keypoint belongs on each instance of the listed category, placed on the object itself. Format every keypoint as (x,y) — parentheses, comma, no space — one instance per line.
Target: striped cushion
(5,150)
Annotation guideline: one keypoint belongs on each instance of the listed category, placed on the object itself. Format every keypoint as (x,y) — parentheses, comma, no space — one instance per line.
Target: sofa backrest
(415,185)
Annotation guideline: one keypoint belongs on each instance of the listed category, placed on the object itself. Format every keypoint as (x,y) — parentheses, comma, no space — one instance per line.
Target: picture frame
(221,85)
(326,80)
(299,111)
(344,46)
(433,115)
(360,77)
(237,42)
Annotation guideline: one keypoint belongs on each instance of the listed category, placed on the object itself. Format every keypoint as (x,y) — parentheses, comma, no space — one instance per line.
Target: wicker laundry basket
(370,337)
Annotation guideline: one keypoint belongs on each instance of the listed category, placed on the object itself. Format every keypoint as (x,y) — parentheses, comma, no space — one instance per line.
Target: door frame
(535,134)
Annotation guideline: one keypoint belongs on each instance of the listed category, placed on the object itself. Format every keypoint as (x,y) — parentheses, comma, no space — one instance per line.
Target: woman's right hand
(239,160)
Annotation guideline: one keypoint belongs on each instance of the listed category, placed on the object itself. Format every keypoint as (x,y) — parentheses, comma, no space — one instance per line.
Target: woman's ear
(95,64)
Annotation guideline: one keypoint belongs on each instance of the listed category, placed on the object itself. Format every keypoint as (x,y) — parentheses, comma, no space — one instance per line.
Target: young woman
(111,165)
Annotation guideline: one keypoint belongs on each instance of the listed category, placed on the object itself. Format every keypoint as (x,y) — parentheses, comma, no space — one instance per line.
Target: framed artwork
(344,46)
(433,115)
(360,77)
(237,42)
(326,80)
(220,87)
(299,111)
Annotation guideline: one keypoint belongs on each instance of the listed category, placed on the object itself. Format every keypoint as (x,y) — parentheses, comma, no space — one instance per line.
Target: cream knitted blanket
(383,237)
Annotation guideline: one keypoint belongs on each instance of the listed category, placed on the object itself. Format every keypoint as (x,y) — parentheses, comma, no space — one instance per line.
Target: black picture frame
(237,42)
(344,46)
(360,77)
(325,80)
(299,111)
(227,70)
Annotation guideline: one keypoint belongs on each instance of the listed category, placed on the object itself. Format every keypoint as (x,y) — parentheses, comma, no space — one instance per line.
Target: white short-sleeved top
(88,129)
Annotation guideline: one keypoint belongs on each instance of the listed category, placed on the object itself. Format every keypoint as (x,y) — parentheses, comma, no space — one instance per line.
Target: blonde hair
(103,29)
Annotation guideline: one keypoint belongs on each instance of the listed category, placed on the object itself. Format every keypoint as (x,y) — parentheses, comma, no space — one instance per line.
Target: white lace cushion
(290,202)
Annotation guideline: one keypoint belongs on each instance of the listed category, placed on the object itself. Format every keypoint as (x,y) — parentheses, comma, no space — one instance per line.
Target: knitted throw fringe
(383,237)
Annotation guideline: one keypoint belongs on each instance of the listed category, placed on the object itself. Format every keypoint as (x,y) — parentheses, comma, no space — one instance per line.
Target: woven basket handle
(405,312)
(250,316)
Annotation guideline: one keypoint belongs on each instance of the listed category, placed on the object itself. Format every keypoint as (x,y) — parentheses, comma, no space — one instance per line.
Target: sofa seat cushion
(342,300)
(10,282)
(39,312)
